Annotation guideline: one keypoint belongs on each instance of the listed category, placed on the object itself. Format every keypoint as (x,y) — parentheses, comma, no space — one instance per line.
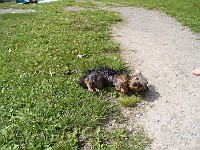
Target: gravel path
(166,53)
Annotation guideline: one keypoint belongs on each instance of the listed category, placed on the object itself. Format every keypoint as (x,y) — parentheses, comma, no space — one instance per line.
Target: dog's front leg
(88,84)
(97,90)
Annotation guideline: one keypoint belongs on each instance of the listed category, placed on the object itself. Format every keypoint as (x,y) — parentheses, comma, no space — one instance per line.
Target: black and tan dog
(96,79)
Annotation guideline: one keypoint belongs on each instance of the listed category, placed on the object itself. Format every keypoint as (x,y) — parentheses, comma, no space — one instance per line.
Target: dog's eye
(135,84)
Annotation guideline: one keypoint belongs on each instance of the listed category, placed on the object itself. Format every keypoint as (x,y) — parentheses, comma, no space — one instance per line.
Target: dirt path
(166,53)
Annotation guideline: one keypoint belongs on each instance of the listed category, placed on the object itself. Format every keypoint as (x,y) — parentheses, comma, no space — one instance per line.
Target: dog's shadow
(152,94)
(149,96)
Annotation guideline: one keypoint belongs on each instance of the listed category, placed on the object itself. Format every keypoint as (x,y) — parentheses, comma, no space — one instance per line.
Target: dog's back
(93,80)
(108,75)
(97,78)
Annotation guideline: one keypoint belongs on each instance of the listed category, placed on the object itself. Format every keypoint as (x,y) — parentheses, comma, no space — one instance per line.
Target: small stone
(158,120)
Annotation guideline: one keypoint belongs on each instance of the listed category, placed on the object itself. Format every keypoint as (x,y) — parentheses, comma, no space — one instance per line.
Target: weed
(129,101)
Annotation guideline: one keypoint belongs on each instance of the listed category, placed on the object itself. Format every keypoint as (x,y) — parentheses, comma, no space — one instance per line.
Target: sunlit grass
(130,101)
(42,105)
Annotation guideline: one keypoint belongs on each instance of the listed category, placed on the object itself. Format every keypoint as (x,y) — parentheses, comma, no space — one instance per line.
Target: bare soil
(166,53)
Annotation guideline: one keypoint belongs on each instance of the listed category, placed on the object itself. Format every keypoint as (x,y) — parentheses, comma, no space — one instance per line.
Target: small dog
(96,79)
(138,83)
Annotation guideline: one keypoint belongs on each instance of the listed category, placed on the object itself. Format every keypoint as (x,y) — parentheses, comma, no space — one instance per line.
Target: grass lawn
(41,104)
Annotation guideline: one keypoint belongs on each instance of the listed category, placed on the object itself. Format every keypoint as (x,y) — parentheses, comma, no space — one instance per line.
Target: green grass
(130,101)
(185,11)
(42,106)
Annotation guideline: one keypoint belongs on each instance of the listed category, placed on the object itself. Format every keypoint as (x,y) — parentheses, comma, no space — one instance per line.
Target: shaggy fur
(96,79)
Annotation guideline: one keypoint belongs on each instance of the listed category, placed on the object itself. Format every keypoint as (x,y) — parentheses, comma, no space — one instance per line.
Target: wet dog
(138,83)
(95,79)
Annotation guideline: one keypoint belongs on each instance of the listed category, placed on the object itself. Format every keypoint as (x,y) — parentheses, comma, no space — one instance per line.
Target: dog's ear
(124,78)
(137,71)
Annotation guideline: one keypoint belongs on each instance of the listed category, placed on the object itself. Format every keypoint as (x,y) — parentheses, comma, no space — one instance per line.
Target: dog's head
(135,85)
(138,84)
(121,83)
